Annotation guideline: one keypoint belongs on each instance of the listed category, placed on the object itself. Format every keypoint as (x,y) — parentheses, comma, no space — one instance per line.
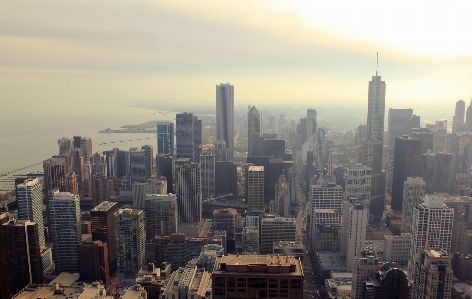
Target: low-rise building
(397,248)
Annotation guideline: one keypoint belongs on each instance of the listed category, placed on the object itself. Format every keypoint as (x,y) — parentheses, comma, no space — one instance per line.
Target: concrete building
(225,116)
(366,265)
(130,240)
(152,279)
(98,162)
(432,274)
(276,229)
(188,189)
(282,197)
(406,164)
(23,253)
(253,131)
(178,249)
(255,188)
(289,248)
(462,220)
(100,189)
(357,220)
(432,227)
(102,219)
(397,248)
(161,215)
(152,186)
(225,219)
(413,194)
(208,256)
(250,240)
(66,230)
(257,276)
(165,137)
(358,183)
(207,161)
(187,282)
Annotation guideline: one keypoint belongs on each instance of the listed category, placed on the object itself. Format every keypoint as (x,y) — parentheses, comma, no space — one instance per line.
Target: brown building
(225,219)
(152,279)
(23,253)
(103,229)
(93,256)
(462,266)
(178,249)
(257,276)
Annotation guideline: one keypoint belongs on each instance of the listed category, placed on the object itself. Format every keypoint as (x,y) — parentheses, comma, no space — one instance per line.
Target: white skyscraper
(66,230)
(356,224)
(225,116)
(432,227)
(130,240)
(30,204)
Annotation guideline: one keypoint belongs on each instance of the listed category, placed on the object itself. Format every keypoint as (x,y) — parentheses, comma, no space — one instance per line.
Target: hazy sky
(303,52)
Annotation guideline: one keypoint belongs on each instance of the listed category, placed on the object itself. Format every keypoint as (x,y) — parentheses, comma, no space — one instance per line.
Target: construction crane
(115,284)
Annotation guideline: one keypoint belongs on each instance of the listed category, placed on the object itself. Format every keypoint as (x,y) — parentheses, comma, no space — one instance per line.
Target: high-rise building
(276,229)
(458,118)
(414,190)
(357,219)
(188,136)
(373,146)
(130,240)
(406,164)
(365,266)
(226,178)
(253,131)
(432,274)
(4,284)
(462,219)
(225,116)
(66,146)
(221,151)
(207,161)
(100,189)
(225,219)
(432,227)
(161,215)
(257,276)
(461,150)
(66,231)
(165,167)
(99,164)
(30,204)
(319,151)
(439,136)
(255,188)
(55,171)
(436,170)
(282,197)
(165,137)
(93,256)
(102,218)
(397,248)
(425,136)
(400,122)
(358,182)
(152,186)
(139,165)
(311,125)
(23,252)
(188,190)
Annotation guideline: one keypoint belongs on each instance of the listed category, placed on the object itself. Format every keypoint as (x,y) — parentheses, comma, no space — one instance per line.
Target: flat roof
(267,260)
(66,279)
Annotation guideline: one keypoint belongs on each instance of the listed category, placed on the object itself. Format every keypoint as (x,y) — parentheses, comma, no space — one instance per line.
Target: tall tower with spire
(374,143)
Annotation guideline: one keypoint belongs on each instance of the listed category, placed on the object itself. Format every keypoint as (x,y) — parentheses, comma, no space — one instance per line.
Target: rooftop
(104,206)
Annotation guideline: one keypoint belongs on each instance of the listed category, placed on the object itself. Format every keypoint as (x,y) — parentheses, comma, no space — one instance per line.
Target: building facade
(130,240)
(161,215)
(225,116)
(165,137)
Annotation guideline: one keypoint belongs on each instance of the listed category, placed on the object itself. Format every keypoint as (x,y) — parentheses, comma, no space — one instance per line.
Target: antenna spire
(377,70)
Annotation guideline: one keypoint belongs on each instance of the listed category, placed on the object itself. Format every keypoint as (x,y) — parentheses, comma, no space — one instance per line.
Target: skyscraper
(413,194)
(458,118)
(66,230)
(365,266)
(255,188)
(22,249)
(29,194)
(165,137)
(165,167)
(311,125)
(374,144)
(93,256)
(406,164)
(225,116)
(188,190)
(400,122)
(432,227)
(102,219)
(207,162)
(274,229)
(358,183)
(357,217)
(188,136)
(161,215)
(66,146)
(130,240)
(253,131)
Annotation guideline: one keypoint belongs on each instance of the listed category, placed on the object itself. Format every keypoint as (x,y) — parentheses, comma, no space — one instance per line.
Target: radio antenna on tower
(377,70)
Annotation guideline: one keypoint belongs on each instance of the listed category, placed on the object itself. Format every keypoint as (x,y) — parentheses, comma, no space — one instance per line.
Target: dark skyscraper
(373,146)
(165,168)
(406,163)
(165,138)
(253,131)
(22,249)
(311,124)
(188,136)
(103,229)
(225,116)
(93,255)
(400,122)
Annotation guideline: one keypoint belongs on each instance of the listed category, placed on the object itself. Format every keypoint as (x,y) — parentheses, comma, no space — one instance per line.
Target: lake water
(29,132)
